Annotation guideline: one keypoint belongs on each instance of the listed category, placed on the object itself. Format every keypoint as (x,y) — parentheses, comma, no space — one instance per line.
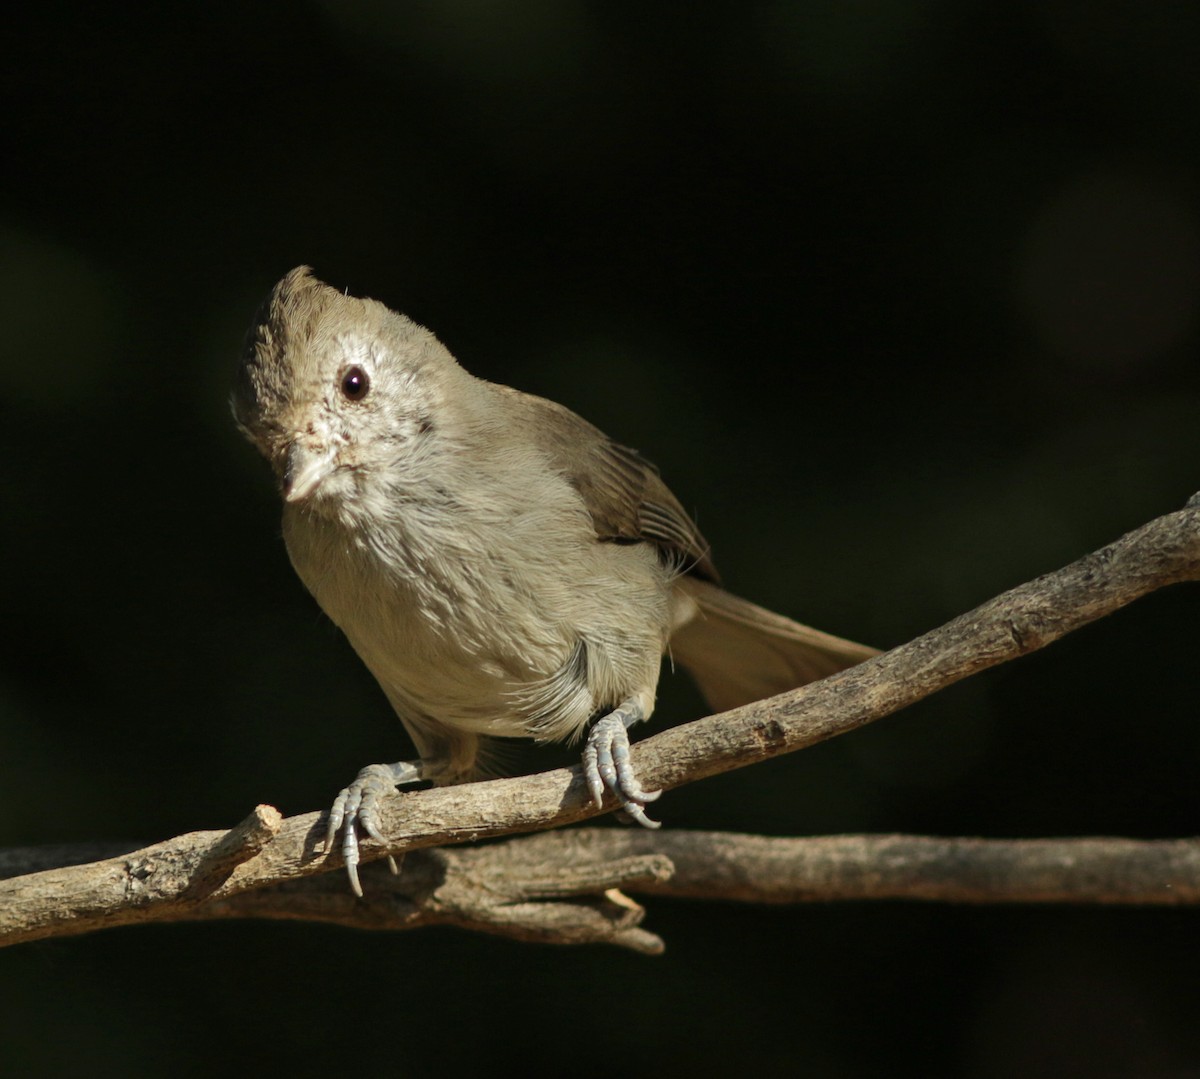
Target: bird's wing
(623,492)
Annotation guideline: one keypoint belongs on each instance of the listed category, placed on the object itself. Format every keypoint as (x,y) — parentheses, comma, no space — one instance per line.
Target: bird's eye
(355,383)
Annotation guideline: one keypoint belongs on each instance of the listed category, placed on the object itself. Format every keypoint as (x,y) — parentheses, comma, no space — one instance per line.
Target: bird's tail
(739,652)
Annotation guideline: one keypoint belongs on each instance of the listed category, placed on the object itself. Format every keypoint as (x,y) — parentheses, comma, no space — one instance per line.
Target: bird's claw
(357,807)
(607,766)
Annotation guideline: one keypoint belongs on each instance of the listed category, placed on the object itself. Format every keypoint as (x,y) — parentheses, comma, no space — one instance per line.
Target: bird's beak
(305,471)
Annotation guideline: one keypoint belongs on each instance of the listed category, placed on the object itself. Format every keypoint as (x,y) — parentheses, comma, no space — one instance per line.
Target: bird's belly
(440,680)
(480,645)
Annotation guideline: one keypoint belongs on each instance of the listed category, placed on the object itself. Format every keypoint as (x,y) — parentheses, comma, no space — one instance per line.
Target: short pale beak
(305,472)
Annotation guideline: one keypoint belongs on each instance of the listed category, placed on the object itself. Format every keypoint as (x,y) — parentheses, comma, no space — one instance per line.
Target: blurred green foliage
(902,296)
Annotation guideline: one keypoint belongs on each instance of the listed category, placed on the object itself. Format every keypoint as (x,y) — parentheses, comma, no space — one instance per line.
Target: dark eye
(355,383)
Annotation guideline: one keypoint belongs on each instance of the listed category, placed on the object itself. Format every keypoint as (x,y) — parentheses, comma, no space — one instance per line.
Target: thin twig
(567,886)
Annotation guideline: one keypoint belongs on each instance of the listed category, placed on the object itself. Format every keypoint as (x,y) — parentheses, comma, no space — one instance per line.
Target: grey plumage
(500,565)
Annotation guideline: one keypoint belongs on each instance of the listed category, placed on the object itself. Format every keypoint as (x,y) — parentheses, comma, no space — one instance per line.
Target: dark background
(903,299)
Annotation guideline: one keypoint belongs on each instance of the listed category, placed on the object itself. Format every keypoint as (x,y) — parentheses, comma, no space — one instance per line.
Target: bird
(501,566)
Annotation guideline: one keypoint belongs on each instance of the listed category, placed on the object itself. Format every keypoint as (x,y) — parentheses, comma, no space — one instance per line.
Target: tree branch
(161,881)
(562,887)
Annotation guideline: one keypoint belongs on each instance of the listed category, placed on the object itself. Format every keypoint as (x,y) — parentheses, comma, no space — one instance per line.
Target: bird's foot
(357,806)
(606,763)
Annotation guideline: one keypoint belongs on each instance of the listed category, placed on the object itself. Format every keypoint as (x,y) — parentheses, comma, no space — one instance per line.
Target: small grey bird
(500,565)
